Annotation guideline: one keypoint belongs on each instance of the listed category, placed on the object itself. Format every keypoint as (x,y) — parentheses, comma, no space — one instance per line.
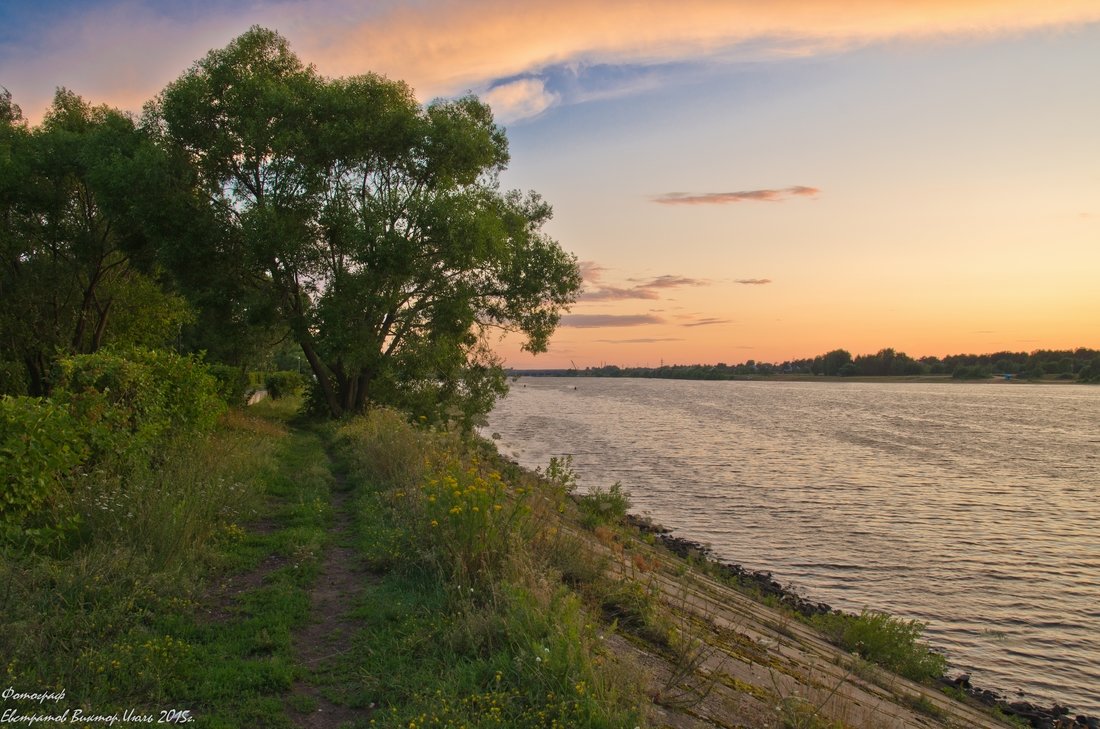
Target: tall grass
(470,625)
(81,619)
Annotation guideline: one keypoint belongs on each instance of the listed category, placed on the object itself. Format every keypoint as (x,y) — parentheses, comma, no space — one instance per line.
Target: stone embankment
(911,695)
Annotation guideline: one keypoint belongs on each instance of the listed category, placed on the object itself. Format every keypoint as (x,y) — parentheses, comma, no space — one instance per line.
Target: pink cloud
(123,54)
(725,198)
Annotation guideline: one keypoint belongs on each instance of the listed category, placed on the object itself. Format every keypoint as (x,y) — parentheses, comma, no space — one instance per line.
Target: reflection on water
(974,508)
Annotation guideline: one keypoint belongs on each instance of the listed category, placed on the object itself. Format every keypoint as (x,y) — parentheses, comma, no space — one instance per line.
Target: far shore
(788,377)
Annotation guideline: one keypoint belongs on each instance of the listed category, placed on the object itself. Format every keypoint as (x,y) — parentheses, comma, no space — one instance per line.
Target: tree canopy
(76,266)
(373,225)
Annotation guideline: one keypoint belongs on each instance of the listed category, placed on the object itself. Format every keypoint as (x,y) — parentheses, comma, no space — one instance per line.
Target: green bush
(232,382)
(603,507)
(284,383)
(13,378)
(885,640)
(131,403)
(40,445)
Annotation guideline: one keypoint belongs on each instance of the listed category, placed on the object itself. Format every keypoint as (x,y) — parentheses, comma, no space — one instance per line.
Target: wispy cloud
(643,340)
(591,271)
(707,322)
(592,321)
(726,198)
(123,52)
(614,293)
(669,281)
(647,288)
(754,281)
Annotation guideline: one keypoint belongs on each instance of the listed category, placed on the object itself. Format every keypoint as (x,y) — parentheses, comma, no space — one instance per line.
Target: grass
(485,601)
(466,622)
(120,622)
(883,639)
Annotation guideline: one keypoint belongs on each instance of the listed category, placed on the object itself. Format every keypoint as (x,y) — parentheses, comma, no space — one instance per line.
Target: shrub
(460,516)
(283,383)
(604,507)
(40,445)
(468,518)
(13,378)
(383,448)
(131,403)
(232,382)
(886,640)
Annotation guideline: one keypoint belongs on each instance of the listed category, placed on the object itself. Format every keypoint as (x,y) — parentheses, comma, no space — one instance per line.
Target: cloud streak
(592,321)
(644,289)
(642,340)
(124,52)
(614,293)
(754,281)
(727,198)
(709,321)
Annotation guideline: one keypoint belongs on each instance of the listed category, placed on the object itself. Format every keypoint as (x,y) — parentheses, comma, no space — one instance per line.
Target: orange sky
(743,180)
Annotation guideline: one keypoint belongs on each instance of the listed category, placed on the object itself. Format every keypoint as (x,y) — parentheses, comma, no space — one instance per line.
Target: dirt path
(328,635)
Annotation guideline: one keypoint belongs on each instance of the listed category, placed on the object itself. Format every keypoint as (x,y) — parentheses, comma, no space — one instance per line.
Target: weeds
(798,712)
(468,624)
(603,507)
(96,619)
(886,640)
(924,705)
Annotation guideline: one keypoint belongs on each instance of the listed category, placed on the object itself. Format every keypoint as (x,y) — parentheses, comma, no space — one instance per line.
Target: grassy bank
(380,573)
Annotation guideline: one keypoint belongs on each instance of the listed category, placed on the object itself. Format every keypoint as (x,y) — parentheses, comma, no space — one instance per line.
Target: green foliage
(886,640)
(284,383)
(634,606)
(886,362)
(132,403)
(832,362)
(111,619)
(77,267)
(232,382)
(13,378)
(1090,372)
(560,473)
(460,584)
(463,520)
(972,372)
(392,205)
(40,448)
(604,507)
(383,449)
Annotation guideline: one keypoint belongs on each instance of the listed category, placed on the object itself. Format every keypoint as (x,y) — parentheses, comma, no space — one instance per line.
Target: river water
(974,508)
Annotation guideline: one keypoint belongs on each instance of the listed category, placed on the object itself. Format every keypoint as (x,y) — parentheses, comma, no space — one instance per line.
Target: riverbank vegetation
(247,566)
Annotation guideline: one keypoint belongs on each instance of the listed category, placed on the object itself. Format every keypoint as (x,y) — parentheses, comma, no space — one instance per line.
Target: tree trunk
(101,327)
(362,391)
(323,376)
(36,375)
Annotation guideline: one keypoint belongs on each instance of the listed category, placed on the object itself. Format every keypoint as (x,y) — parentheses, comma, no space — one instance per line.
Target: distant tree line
(1082,365)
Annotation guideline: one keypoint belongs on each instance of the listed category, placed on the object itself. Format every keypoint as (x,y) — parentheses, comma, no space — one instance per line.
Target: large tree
(374,225)
(76,265)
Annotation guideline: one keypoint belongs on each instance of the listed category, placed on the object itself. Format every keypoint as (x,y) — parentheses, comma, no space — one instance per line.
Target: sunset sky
(740,179)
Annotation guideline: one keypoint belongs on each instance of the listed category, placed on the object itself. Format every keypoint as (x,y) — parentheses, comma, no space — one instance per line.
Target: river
(974,508)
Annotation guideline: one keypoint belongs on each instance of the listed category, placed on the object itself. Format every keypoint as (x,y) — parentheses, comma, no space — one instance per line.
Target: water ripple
(972,508)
